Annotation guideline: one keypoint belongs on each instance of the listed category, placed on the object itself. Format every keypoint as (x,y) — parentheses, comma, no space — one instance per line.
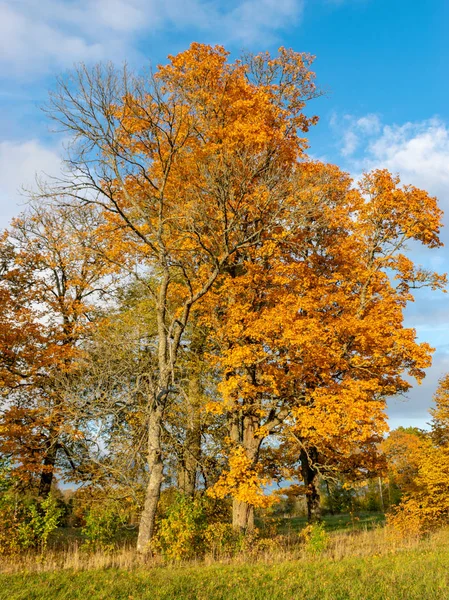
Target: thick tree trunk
(310,477)
(242,516)
(166,362)
(48,469)
(242,432)
(153,491)
(188,468)
(191,452)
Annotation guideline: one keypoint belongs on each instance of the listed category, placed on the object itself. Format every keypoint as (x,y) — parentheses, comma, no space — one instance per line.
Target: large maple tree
(311,335)
(190,165)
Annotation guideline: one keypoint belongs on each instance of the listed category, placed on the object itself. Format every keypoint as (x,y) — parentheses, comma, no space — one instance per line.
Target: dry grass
(355,566)
(340,545)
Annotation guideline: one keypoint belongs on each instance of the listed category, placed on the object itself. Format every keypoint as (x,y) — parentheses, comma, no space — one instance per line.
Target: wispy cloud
(418,151)
(353,131)
(40,37)
(20,162)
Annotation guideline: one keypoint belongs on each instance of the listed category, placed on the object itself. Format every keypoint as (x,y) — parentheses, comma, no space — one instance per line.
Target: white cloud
(418,151)
(252,18)
(29,41)
(38,37)
(369,124)
(414,408)
(20,162)
(350,143)
(353,131)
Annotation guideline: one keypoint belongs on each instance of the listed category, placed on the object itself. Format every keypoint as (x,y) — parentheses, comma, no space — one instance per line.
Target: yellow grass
(375,542)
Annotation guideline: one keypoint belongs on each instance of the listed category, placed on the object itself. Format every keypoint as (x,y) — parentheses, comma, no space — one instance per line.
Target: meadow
(355,558)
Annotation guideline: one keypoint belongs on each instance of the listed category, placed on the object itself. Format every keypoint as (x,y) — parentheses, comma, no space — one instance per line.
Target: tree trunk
(242,516)
(191,452)
(153,491)
(309,474)
(48,469)
(242,433)
(331,500)
(188,469)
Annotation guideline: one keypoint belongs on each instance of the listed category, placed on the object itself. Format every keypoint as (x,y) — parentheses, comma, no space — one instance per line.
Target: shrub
(220,540)
(180,533)
(26,522)
(103,524)
(316,539)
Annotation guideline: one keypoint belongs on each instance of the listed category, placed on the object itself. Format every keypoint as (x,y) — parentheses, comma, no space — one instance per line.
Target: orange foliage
(402,449)
(48,288)
(242,481)
(308,326)
(426,505)
(204,192)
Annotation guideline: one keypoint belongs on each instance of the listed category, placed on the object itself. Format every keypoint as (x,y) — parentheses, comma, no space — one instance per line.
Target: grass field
(421,573)
(361,562)
(341,522)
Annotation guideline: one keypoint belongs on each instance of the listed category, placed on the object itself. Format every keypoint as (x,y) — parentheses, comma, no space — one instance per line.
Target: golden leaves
(243,481)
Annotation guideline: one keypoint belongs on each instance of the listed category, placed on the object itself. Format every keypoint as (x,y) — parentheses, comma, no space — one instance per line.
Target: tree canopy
(197,303)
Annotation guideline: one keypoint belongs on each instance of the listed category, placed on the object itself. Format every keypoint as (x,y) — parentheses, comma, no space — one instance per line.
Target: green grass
(64,536)
(341,522)
(420,574)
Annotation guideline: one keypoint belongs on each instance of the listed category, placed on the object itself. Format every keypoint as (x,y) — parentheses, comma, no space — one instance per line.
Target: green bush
(26,523)
(180,533)
(41,518)
(103,526)
(316,539)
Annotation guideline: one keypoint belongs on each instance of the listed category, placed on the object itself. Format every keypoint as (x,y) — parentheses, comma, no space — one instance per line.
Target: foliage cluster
(198,304)
(421,463)
(26,523)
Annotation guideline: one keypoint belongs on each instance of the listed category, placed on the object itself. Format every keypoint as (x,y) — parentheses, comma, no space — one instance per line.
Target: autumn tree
(20,337)
(358,326)
(440,413)
(203,194)
(402,448)
(425,505)
(189,166)
(312,341)
(109,392)
(56,280)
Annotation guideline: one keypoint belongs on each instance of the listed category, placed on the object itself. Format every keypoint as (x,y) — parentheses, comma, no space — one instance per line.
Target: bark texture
(153,491)
(243,430)
(309,473)
(48,470)
(191,451)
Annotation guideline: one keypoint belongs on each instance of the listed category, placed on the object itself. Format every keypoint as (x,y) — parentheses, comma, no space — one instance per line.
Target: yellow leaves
(391,212)
(215,408)
(440,413)
(243,481)
(420,463)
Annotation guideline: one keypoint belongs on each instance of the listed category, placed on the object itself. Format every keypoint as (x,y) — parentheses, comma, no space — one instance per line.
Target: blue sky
(383,64)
